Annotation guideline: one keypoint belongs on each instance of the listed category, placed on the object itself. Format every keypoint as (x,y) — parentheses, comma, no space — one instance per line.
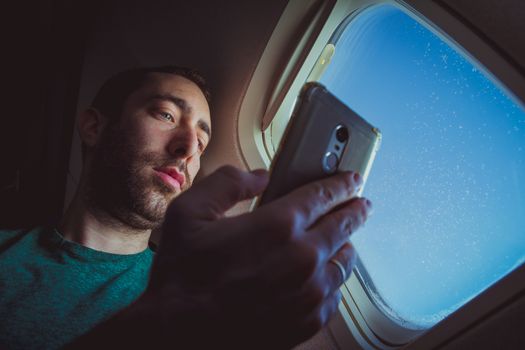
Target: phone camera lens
(341,134)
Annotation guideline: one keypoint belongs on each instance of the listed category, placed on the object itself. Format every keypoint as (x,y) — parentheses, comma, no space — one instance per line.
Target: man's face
(152,153)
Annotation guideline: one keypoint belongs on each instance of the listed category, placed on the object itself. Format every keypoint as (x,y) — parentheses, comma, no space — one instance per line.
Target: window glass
(448,184)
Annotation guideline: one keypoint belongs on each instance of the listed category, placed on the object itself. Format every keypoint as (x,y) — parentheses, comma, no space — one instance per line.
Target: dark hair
(112,95)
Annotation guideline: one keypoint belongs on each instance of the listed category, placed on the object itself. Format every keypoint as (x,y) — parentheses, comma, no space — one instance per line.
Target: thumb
(215,194)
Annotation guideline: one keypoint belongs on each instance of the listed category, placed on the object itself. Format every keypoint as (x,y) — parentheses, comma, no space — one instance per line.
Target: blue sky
(448,183)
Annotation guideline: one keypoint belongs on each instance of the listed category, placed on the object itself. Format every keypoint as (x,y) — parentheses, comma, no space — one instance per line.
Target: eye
(202,146)
(167,116)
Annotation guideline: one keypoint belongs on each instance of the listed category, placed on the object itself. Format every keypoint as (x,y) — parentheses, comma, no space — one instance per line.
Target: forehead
(166,84)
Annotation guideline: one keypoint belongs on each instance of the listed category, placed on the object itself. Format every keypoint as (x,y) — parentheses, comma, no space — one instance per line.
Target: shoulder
(10,236)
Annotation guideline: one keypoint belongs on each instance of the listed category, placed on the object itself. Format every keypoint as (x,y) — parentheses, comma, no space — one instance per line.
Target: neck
(99,230)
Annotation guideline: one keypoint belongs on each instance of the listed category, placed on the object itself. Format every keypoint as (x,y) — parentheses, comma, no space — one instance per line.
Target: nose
(184,142)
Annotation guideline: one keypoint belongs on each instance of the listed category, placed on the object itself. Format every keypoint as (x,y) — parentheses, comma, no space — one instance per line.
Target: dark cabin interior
(44,52)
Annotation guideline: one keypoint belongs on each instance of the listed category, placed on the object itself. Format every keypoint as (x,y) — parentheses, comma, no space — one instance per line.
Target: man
(266,279)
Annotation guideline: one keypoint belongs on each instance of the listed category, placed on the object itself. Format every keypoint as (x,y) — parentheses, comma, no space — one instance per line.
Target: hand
(261,279)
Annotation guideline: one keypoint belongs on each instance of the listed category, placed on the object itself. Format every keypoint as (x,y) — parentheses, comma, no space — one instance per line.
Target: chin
(149,204)
(154,210)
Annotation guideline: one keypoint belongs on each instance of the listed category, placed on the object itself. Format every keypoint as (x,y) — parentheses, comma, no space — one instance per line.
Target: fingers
(319,301)
(327,279)
(344,259)
(220,191)
(312,201)
(305,251)
(321,317)
(307,327)
(333,230)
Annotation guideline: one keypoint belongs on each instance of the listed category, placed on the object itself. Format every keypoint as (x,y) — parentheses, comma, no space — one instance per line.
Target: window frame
(361,321)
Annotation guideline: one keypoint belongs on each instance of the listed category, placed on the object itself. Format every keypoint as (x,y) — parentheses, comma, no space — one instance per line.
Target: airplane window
(448,181)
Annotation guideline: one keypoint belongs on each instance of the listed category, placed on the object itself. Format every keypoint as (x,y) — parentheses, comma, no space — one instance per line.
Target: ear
(91,124)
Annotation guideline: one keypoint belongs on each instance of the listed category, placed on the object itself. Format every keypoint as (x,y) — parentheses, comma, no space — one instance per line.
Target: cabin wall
(42,55)
(503,330)
(500,22)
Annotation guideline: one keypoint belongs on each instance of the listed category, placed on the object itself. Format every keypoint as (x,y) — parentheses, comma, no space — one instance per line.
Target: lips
(172,176)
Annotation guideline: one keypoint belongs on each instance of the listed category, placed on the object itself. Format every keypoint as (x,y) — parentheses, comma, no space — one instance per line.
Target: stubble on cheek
(188,180)
(123,180)
(149,195)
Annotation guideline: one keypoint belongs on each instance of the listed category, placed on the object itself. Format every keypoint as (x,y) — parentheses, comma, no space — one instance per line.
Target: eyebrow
(186,108)
(177,101)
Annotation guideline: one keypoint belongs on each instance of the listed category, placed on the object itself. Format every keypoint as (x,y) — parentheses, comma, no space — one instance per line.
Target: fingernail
(370,207)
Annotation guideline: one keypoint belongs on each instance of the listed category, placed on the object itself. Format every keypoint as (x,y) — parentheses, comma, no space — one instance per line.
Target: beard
(122,184)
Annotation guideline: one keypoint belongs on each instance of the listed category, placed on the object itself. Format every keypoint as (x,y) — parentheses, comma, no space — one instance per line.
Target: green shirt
(53,290)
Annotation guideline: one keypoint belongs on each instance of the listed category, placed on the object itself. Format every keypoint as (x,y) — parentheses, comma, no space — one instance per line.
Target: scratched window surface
(448,184)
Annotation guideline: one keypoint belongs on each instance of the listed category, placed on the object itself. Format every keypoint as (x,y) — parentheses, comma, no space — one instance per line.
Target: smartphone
(323,137)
